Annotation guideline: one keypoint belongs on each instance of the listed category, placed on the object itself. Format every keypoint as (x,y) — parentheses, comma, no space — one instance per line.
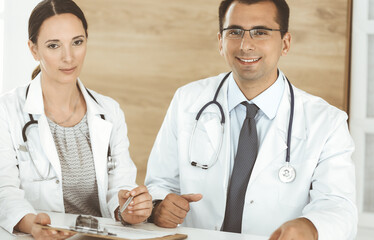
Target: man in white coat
(241,180)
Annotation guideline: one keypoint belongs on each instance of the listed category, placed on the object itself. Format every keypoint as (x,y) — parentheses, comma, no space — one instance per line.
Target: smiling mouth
(253,60)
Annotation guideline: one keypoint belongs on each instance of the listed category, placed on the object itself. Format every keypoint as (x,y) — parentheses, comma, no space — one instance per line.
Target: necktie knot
(251,109)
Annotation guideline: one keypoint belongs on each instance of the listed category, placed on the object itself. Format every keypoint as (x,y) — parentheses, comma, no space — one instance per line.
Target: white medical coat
(19,194)
(321,148)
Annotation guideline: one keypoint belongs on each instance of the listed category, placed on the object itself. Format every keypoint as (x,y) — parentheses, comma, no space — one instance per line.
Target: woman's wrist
(25,224)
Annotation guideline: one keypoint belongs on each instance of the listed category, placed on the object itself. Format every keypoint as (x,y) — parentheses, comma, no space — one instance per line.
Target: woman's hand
(40,234)
(140,207)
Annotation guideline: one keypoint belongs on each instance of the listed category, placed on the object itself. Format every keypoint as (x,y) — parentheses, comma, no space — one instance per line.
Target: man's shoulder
(316,105)
(203,84)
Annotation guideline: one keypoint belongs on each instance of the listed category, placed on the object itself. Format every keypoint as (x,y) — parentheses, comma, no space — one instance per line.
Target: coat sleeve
(124,174)
(13,205)
(332,207)
(163,164)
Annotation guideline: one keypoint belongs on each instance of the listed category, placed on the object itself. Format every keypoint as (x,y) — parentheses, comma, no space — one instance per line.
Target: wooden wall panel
(140,52)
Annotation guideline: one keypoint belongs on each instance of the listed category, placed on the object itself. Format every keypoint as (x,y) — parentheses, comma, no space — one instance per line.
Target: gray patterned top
(79,184)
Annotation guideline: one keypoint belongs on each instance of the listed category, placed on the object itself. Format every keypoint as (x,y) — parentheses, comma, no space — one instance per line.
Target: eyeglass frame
(250,30)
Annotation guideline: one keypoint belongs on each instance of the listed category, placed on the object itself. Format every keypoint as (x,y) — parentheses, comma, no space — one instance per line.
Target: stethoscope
(286,173)
(111,163)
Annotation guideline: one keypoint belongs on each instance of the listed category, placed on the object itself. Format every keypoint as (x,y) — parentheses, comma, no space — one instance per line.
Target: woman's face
(61,48)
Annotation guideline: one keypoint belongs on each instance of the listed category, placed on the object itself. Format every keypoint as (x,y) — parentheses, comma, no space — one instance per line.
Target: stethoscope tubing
(111,163)
(290,122)
(214,101)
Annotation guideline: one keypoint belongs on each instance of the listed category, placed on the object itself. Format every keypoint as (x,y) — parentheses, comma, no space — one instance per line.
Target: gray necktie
(243,165)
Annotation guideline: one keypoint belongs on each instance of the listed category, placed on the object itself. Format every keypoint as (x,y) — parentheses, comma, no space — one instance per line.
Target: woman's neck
(60,96)
(63,103)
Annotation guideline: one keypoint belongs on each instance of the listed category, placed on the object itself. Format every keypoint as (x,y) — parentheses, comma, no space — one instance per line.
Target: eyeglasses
(255,33)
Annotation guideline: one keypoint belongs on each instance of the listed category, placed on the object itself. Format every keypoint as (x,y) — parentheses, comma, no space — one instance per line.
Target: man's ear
(33,49)
(286,42)
(219,36)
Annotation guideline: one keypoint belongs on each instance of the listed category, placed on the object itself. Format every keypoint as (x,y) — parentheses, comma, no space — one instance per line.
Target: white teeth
(249,60)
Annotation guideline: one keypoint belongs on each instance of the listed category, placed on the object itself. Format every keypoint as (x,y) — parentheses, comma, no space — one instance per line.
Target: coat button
(57,181)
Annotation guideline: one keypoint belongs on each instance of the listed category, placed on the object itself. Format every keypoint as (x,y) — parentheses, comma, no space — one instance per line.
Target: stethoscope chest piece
(287,173)
(111,164)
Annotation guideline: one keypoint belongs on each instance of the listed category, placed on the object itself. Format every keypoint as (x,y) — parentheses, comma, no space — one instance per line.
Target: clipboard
(89,226)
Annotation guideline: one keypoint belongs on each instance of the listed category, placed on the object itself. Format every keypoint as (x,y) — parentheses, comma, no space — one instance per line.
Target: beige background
(140,52)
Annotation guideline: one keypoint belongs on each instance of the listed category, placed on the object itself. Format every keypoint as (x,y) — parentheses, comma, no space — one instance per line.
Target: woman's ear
(33,49)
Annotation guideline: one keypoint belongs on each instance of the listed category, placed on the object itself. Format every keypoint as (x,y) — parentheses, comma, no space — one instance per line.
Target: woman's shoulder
(13,96)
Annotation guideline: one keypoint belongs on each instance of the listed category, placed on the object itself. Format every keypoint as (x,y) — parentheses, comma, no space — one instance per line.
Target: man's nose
(247,43)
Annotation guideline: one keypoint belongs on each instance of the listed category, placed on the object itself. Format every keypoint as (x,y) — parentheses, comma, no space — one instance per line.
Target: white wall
(18,62)
(1,41)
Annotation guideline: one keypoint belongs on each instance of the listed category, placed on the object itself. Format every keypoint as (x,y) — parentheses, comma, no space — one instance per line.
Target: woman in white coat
(63,148)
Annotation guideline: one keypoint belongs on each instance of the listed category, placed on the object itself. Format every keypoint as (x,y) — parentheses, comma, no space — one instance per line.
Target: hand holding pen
(135,206)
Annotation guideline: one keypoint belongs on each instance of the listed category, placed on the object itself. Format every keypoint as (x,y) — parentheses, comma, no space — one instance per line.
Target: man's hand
(299,228)
(140,207)
(173,209)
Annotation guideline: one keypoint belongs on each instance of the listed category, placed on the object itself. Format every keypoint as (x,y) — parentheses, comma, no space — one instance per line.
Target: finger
(166,223)
(275,235)
(53,234)
(144,197)
(284,235)
(123,194)
(64,235)
(139,206)
(138,190)
(42,218)
(176,204)
(171,216)
(141,212)
(192,197)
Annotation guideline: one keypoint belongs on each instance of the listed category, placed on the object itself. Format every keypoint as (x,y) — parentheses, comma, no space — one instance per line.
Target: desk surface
(193,233)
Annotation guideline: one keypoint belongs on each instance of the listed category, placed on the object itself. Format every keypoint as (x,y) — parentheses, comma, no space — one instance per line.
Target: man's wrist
(119,215)
(155,204)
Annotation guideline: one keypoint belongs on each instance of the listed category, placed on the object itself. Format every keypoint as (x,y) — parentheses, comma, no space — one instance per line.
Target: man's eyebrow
(235,26)
(254,27)
(78,37)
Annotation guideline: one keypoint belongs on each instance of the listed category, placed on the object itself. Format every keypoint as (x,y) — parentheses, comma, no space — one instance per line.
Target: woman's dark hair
(49,8)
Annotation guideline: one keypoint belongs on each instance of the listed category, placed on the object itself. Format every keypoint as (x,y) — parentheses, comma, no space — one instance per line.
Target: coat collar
(100,129)
(275,142)
(207,94)
(283,115)
(34,101)
(281,120)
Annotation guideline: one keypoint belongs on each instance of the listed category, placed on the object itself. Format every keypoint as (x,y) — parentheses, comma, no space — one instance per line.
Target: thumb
(42,218)
(192,197)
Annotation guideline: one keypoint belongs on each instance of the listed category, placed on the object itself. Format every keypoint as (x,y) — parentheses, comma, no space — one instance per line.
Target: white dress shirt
(267,102)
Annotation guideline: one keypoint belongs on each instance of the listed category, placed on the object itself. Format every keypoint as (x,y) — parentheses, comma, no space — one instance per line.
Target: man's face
(253,61)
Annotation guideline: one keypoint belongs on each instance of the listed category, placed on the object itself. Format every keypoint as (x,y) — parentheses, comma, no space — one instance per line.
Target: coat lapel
(275,142)
(212,124)
(100,131)
(34,105)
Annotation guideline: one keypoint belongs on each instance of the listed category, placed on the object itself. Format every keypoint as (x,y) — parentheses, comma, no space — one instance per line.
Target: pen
(128,201)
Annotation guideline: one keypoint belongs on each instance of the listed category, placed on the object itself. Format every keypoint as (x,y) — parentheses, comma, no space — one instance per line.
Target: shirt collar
(268,101)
